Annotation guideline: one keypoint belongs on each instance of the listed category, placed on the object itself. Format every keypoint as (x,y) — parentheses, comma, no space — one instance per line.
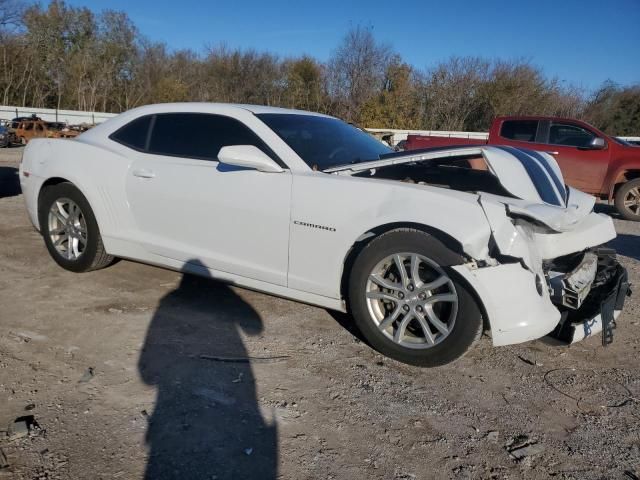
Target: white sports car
(421,247)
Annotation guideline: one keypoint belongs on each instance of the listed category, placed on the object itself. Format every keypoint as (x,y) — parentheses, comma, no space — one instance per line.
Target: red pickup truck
(590,160)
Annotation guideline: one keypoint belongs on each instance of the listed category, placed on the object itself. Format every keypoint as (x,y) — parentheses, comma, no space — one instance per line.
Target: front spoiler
(598,314)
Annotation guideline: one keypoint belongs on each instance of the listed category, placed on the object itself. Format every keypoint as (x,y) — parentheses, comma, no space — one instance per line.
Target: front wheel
(627,200)
(70,230)
(409,304)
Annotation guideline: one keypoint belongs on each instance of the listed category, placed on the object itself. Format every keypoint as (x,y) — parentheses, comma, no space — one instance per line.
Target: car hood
(533,179)
(559,219)
(537,182)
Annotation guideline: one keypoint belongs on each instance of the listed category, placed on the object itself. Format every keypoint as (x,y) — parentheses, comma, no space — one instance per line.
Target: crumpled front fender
(514,291)
(532,242)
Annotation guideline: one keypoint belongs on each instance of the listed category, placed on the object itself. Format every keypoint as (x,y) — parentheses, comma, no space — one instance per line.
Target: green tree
(615,109)
(398,104)
(305,84)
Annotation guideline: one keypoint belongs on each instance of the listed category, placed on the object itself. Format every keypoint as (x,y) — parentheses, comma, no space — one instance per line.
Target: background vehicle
(418,246)
(632,141)
(591,160)
(16,120)
(26,130)
(6,136)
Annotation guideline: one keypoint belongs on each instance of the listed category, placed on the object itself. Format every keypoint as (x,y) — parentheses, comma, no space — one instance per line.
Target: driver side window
(199,135)
(188,135)
(569,135)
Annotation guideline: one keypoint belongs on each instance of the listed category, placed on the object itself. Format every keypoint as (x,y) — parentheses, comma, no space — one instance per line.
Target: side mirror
(248,156)
(597,143)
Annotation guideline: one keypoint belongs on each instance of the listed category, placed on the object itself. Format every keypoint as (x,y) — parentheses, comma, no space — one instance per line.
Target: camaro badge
(313,225)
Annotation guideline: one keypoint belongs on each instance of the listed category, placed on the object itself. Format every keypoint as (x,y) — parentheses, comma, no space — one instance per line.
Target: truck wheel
(409,304)
(627,200)
(70,230)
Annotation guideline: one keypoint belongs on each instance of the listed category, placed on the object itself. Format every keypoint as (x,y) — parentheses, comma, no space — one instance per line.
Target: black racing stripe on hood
(545,163)
(537,174)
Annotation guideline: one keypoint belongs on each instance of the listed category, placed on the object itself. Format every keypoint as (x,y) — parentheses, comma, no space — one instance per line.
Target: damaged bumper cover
(515,309)
(540,281)
(519,306)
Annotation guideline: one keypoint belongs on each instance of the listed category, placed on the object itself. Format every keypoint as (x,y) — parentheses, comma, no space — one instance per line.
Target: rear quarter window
(134,134)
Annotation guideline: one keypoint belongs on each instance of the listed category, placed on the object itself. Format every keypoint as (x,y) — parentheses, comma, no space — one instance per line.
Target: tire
(87,250)
(627,200)
(380,319)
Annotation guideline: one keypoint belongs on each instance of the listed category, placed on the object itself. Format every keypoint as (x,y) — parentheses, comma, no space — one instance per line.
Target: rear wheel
(409,304)
(70,230)
(627,200)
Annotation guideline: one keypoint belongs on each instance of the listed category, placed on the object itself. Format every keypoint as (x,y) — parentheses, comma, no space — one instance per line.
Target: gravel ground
(125,372)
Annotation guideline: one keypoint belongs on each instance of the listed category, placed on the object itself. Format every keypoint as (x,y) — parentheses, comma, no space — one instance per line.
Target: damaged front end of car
(560,241)
(572,272)
(546,271)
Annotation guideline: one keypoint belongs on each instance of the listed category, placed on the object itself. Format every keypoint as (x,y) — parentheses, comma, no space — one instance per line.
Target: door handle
(143,173)
(552,153)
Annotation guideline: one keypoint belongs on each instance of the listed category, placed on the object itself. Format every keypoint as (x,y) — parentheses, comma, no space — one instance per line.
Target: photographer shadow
(206,422)
(9,182)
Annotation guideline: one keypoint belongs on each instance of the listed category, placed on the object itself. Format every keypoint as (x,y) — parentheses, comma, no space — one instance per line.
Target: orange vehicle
(25,130)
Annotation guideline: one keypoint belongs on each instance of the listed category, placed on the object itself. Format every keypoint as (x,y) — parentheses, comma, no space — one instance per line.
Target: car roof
(208,107)
(257,109)
(104,129)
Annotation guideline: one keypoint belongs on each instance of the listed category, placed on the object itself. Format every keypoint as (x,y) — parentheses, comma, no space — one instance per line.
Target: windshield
(324,142)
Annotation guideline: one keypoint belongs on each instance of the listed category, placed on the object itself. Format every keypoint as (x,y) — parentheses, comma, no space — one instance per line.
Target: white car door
(190,207)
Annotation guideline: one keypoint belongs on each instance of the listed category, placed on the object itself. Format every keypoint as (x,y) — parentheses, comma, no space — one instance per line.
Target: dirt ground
(127,373)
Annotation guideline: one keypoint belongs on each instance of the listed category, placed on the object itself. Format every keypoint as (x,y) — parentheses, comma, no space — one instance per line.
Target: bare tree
(519,88)
(69,57)
(451,92)
(356,71)
(11,12)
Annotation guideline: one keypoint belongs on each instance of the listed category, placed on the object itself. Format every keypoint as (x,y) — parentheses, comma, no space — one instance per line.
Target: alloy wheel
(632,201)
(67,228)
(412,300)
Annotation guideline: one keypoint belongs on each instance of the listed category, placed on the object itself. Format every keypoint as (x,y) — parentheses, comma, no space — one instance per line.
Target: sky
(581,42)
